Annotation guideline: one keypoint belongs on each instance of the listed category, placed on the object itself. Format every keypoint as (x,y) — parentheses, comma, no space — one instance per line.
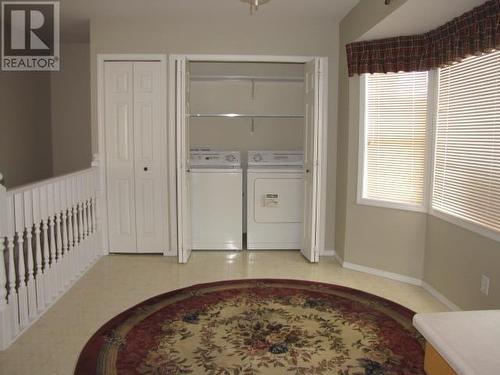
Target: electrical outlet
(485,284)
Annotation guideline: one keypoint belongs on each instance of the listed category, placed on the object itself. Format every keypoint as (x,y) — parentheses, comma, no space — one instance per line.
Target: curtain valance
(472,33)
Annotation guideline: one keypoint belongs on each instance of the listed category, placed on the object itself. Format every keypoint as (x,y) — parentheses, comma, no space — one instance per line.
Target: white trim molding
(332,253)
(398,277)
(466,224)
(381,273)
(441,298)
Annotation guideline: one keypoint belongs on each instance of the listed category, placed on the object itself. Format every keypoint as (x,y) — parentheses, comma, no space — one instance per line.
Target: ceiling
(419,16)
(75,14)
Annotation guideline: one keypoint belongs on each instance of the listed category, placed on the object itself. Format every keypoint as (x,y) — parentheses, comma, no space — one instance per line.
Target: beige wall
(205,36)
(45,119)
(70,103)
(456,258)
(25,134)
(386,239)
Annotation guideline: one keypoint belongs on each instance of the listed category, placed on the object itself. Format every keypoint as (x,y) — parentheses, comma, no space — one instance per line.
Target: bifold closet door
(133,132)
(120,168)
(312,123)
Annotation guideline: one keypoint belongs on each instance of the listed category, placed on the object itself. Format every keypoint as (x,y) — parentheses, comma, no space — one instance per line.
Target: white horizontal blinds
(396,130)
(467,161)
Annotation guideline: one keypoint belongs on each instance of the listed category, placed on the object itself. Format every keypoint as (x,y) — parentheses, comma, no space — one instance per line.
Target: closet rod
(246,78)
(242,115)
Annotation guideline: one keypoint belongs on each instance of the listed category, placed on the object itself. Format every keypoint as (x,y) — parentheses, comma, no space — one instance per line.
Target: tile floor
(52,345)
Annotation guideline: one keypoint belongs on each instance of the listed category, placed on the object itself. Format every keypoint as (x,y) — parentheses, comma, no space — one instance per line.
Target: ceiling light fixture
(254,4)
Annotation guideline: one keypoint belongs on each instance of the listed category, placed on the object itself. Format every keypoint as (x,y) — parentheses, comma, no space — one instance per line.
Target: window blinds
(395,137)
(467,156)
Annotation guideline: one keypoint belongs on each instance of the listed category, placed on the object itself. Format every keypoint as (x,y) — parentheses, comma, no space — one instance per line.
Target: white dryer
(216,200)
(275,199)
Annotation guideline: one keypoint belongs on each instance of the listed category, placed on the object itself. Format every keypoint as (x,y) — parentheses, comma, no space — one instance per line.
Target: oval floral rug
(258,327)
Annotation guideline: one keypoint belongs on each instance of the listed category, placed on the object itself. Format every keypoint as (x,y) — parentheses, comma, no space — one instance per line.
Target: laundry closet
(249,132)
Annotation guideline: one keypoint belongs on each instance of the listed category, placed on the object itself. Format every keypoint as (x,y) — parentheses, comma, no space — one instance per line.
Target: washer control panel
(276,158)
(221,159)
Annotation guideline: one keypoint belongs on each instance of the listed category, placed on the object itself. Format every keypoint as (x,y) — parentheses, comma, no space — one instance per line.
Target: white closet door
(119,133)
(183,166)
(149,200)
(311,148)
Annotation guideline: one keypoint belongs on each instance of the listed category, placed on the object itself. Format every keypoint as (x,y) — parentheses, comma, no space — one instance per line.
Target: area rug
(247,327)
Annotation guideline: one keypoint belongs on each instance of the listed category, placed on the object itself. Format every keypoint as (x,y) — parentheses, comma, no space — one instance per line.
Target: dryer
(216,200)
(275,199)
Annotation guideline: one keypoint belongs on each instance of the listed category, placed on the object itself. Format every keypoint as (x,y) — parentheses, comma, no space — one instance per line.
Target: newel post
(101,209)
(5,333)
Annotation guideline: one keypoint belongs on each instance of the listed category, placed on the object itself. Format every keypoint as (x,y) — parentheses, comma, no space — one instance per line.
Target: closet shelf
(246,78)
(243,115)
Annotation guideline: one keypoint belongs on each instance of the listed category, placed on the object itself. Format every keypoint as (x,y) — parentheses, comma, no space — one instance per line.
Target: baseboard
(386,274)
(327,253)
(170,253)
(332,253)
(393,276)
(445,301)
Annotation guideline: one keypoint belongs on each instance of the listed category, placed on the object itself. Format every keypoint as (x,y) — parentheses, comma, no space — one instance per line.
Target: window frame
(361,199)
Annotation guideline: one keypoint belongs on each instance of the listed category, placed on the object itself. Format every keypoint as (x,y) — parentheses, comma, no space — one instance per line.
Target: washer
(275,199)
(216,200)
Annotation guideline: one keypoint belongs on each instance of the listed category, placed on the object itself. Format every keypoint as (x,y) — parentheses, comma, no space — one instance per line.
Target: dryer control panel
(275,158)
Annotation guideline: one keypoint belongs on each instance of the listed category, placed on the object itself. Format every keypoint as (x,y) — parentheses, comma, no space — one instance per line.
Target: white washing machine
(216,200)
(275,199)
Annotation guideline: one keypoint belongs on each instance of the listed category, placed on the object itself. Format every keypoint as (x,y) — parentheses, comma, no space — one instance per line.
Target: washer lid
(215,159)
(275,158)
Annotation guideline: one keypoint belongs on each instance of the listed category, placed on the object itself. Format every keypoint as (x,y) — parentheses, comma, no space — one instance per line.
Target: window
(393,140)
(467,149)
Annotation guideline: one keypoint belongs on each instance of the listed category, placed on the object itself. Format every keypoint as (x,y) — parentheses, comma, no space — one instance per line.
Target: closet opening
(250,150)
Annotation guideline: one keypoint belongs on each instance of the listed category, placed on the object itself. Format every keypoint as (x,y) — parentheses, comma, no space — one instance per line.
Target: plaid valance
(472,33)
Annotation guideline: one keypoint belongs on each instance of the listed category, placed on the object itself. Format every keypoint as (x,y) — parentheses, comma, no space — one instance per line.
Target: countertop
(468,340)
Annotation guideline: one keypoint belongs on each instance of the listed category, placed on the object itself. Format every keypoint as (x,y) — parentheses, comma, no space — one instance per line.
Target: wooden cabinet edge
(434,364)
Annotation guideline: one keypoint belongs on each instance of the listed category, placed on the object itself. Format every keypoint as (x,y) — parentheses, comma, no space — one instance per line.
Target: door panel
(150,207)
(184,239)
(119,156)
(312,123)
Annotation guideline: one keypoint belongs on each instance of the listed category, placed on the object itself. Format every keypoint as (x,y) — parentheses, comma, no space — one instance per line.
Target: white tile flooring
(52,345)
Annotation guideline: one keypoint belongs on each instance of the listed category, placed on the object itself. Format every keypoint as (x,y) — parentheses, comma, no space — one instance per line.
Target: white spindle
(5,325)
(80,226)
(53,248)
(22,290)
(47,271)
(89,204)
(59,247)
(65,247)
(28,224)
(71,252)
(74,194)
(87,221)
(12,297)
(39,275)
